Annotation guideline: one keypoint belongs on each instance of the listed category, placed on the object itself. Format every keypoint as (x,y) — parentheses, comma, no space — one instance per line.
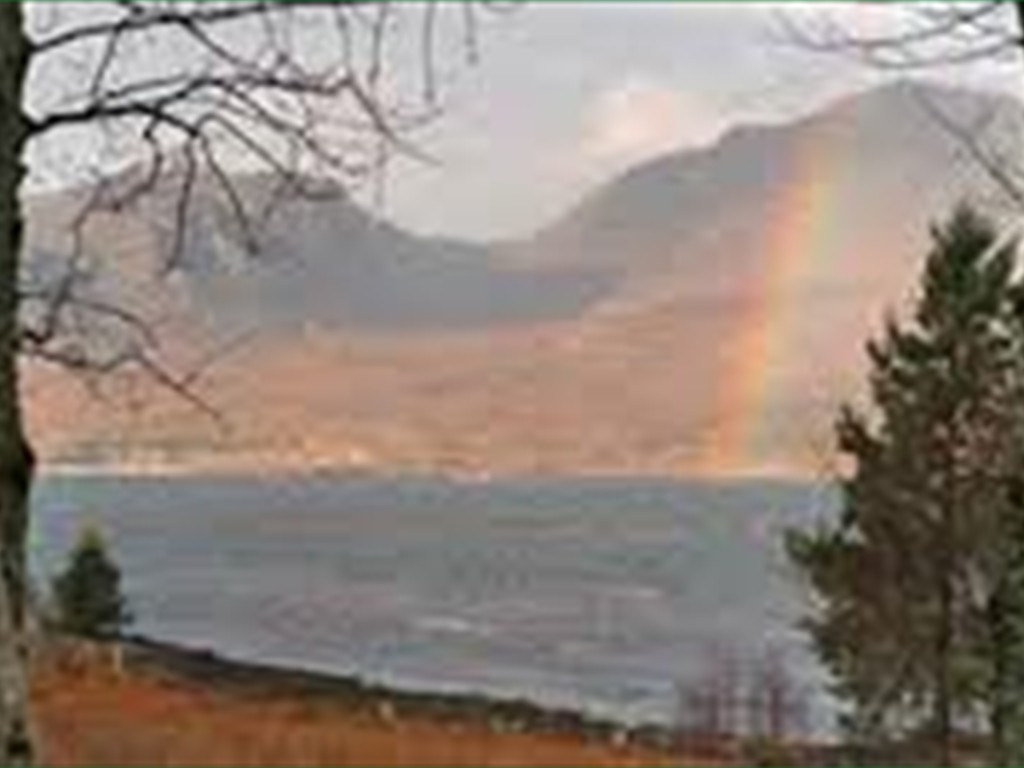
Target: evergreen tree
(87,594)
(1006,625)
(911,575)
(1005,614)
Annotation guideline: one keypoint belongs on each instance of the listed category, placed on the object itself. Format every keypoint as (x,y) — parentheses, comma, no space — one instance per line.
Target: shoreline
(400,473)
(210,668)
(144,701)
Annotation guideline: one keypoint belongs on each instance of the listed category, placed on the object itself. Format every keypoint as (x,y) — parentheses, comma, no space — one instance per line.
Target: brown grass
(90,715)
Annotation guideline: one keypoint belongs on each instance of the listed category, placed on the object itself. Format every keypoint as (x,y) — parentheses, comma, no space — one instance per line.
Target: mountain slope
(703,312)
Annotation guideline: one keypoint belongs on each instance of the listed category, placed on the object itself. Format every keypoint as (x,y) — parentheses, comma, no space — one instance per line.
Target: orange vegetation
(90,714)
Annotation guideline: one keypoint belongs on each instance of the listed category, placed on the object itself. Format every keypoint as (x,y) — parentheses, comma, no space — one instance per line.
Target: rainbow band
(801,223)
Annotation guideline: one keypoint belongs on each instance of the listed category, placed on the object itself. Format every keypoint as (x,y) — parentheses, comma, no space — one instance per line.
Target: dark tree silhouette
(915,563)
(87,596)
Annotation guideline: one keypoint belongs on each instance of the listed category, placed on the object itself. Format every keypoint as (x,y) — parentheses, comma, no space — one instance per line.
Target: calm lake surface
(595,594)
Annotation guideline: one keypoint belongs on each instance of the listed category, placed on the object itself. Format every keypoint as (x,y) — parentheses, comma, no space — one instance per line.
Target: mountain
(703,312)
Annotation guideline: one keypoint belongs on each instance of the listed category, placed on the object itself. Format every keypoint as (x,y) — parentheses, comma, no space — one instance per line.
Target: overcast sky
(566,95)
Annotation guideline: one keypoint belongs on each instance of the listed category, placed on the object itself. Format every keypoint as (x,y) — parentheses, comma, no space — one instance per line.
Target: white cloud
(638,117)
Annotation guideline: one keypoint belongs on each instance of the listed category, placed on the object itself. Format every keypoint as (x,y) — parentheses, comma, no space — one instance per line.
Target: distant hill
(704,311)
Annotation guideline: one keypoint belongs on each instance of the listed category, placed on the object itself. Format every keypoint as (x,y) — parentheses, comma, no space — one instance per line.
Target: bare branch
(241,88)
(951,35)
(971,139)
(74,358)
(140,19)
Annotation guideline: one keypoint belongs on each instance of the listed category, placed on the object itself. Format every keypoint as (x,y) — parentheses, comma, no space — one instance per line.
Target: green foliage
(87,594)
(911,578)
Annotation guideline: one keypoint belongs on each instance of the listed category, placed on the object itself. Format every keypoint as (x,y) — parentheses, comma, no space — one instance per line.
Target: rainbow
(801,222)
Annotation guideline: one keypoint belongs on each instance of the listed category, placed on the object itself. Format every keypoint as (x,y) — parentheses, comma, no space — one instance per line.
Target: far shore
(474,476)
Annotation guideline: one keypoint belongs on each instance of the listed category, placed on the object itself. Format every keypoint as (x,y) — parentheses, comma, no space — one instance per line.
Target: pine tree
(1005,608)
(908,575)
(1006,626)
(87,594)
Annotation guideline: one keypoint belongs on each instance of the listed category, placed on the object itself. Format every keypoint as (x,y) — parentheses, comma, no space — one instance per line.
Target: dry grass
(90,715)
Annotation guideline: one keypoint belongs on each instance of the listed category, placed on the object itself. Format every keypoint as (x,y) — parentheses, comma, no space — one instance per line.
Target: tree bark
(16,460)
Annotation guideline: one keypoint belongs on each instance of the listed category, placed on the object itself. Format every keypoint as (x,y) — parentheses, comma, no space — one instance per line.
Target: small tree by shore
(87,596)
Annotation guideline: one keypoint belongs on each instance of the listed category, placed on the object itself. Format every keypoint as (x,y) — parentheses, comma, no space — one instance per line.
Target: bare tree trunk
(16,461)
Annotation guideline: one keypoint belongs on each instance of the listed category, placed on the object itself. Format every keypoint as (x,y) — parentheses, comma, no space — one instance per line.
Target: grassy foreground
(160,705)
